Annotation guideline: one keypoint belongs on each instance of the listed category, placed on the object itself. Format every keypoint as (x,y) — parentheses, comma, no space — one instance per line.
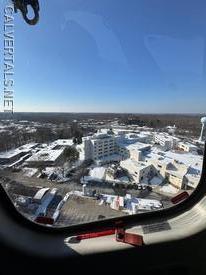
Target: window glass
(108,100)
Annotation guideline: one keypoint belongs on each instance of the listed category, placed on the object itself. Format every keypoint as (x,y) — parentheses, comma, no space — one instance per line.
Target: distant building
(61,143)
(187,147)
(166,141)
(171,129)
(14,155)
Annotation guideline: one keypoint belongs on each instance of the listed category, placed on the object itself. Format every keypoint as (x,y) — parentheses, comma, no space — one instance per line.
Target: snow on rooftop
(146,204)
(133,165)
(23,149)
(29,172)
(134,146)
(46,201)
(188,144)
(165,136)
(40,193)
(138,146)
(46,155)
(188,159)
(97,172)
(101,136)
(63,142)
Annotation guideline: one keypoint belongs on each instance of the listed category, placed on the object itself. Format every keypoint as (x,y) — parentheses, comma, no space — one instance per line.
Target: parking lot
(82,210)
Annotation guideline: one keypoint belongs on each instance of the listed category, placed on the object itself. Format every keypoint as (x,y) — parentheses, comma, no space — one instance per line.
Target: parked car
(149,188)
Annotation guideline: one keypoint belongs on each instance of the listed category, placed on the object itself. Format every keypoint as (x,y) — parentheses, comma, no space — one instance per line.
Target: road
(99,187)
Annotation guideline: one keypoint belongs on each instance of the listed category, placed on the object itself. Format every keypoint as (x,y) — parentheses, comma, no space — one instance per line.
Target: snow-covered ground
(46,155)
(96,173)
(145,204)
(29,172)
(55,173)
(15,152)
(168,188)
(80,149)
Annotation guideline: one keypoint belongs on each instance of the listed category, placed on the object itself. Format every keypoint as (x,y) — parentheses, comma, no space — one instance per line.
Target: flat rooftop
(133,165)
(46,155)
(189,159)
(23,149)
(134,146)
(62,142)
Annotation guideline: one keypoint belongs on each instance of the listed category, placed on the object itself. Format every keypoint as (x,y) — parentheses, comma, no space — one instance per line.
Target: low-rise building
(166,141)
(132,150)
(181,170)
(138,171)
(176,173)
(15,154)
(61,143)
(45,158)
(187,147)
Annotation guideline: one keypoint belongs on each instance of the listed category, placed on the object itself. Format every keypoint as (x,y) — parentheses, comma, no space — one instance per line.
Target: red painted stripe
(180,197)
(129,238)
(95,234)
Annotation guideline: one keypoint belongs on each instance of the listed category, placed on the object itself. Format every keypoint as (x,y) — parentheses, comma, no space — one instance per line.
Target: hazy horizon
(115,113)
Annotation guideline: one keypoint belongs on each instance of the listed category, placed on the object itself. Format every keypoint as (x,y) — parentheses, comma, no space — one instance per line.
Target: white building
(171,129)
(192,178)
(182,170)
(100,146)
(132,150)
(15,154)
(45,158)
(61,143)
(166,141)
(103,147)
(139,171)
(187,147)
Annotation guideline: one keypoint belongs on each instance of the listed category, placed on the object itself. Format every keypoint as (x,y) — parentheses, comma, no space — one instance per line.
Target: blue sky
(137,56)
